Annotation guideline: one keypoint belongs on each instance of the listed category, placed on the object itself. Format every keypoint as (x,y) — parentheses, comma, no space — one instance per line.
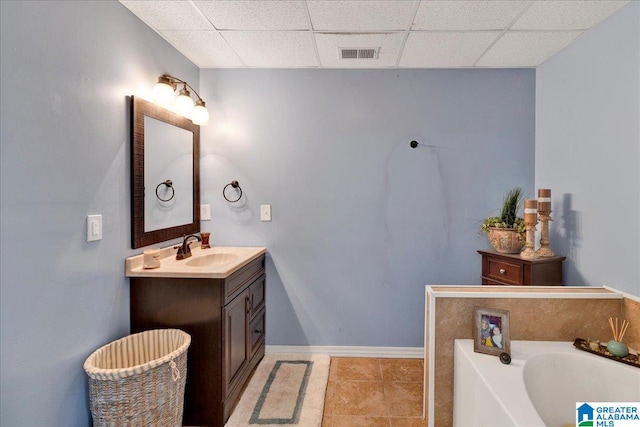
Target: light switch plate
(94,228)
(265,212)
(205,212)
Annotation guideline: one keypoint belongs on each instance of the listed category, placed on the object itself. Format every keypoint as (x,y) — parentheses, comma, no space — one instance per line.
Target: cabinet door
(256,332)
(236,345)
(256,296)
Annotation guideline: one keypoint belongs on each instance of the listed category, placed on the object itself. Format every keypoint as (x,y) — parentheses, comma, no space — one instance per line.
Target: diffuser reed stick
(618,333)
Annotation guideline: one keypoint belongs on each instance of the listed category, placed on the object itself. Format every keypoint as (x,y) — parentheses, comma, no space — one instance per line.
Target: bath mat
(285,389)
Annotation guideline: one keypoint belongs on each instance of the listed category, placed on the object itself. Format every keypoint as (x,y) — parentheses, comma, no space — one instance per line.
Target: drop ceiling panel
(255,15)
(274,49)
(566,15)
(526,49)
(389,44)
(467,15)
(445,50)
(307,33)
(206,49)
(168,15)
(360,15)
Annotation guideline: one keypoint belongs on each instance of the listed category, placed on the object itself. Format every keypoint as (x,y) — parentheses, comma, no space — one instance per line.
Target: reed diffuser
(616,347)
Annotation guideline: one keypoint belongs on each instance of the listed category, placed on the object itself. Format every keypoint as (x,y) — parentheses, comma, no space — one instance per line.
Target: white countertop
(170,267)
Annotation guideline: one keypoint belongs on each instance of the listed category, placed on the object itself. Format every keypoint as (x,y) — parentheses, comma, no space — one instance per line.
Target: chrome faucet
(184,251)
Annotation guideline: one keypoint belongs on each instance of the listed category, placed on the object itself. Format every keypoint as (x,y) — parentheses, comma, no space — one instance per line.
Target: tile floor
(366,392)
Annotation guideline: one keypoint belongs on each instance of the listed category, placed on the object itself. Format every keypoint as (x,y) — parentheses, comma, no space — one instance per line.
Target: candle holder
(530,221)
(544,213)
(205,240)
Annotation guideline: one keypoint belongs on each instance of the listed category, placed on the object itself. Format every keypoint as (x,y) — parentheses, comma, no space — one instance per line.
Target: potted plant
(506,232)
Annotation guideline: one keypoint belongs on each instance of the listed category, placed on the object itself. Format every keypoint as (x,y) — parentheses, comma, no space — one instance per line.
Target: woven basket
(139,380)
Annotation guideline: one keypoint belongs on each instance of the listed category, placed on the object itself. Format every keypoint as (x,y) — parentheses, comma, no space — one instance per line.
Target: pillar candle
(151,258)
(530,211)
(544,200)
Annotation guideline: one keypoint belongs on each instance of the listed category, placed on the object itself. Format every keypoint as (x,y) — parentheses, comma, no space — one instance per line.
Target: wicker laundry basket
(139,380)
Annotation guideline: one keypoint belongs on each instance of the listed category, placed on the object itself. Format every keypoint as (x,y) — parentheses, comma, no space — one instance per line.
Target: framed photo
(491,331)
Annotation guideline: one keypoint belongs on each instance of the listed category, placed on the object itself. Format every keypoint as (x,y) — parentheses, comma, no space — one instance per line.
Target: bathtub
(540,387)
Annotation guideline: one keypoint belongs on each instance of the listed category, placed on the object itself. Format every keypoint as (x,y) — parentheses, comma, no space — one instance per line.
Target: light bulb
(163,92)
(200,114)
(184,103)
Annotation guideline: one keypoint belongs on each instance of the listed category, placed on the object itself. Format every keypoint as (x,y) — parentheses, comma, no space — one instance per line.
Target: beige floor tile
(404,398)
(329,397)
(357,368)
(333,369)
(408,422)
(359,421)
(366,392)
(409,370)
(365,398)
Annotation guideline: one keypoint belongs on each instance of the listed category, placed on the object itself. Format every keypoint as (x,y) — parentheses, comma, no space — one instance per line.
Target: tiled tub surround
(536,314)
(631,312)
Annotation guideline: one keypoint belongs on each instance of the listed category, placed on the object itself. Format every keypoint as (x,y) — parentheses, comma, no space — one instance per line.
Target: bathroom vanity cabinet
(512,270)
(226,321)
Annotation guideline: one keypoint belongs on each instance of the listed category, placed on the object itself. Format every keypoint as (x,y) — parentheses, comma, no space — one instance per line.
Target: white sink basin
(212,259)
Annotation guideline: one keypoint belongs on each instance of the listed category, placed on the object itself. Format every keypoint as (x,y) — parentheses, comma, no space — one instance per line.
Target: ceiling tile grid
(255,15)
(206,49)
(358,15)
(454,15)
(168,15)
(408,33)
(446,50)
(526,49)
(277,49)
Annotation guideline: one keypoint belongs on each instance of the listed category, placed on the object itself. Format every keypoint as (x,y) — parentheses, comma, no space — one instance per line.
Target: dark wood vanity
(226,321)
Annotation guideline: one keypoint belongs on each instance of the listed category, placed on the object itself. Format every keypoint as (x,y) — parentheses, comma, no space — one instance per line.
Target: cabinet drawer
(239,280)
(504,271)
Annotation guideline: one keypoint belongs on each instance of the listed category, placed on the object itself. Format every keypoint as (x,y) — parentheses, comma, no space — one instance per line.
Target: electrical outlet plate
(205,212)
(265,212)
(94,228)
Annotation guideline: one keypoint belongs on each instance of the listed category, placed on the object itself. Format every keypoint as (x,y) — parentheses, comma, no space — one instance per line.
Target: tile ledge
(533,292)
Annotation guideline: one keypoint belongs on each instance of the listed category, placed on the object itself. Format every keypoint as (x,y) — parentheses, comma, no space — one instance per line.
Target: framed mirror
(165,174)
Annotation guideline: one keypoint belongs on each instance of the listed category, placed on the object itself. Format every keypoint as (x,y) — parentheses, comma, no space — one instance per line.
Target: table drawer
(504,271)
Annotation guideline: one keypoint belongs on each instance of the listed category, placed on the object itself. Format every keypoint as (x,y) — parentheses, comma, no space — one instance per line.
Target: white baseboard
(348,351)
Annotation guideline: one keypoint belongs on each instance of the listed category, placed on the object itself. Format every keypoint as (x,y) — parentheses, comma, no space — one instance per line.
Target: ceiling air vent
(358,53)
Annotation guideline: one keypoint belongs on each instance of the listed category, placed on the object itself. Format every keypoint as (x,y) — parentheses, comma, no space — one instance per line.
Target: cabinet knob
(502,271)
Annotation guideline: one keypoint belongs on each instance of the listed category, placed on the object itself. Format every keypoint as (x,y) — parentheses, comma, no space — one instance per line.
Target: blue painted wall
(65,71)
(588,152)
(361,221)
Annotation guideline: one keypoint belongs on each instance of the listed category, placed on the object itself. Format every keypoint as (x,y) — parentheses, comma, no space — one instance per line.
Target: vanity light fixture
(164,93)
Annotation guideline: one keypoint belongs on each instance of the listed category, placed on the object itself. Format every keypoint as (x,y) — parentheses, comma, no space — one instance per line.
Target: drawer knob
(502,271)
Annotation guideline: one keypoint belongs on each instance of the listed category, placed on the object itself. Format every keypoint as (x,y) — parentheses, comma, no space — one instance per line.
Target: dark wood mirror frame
(139,238)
